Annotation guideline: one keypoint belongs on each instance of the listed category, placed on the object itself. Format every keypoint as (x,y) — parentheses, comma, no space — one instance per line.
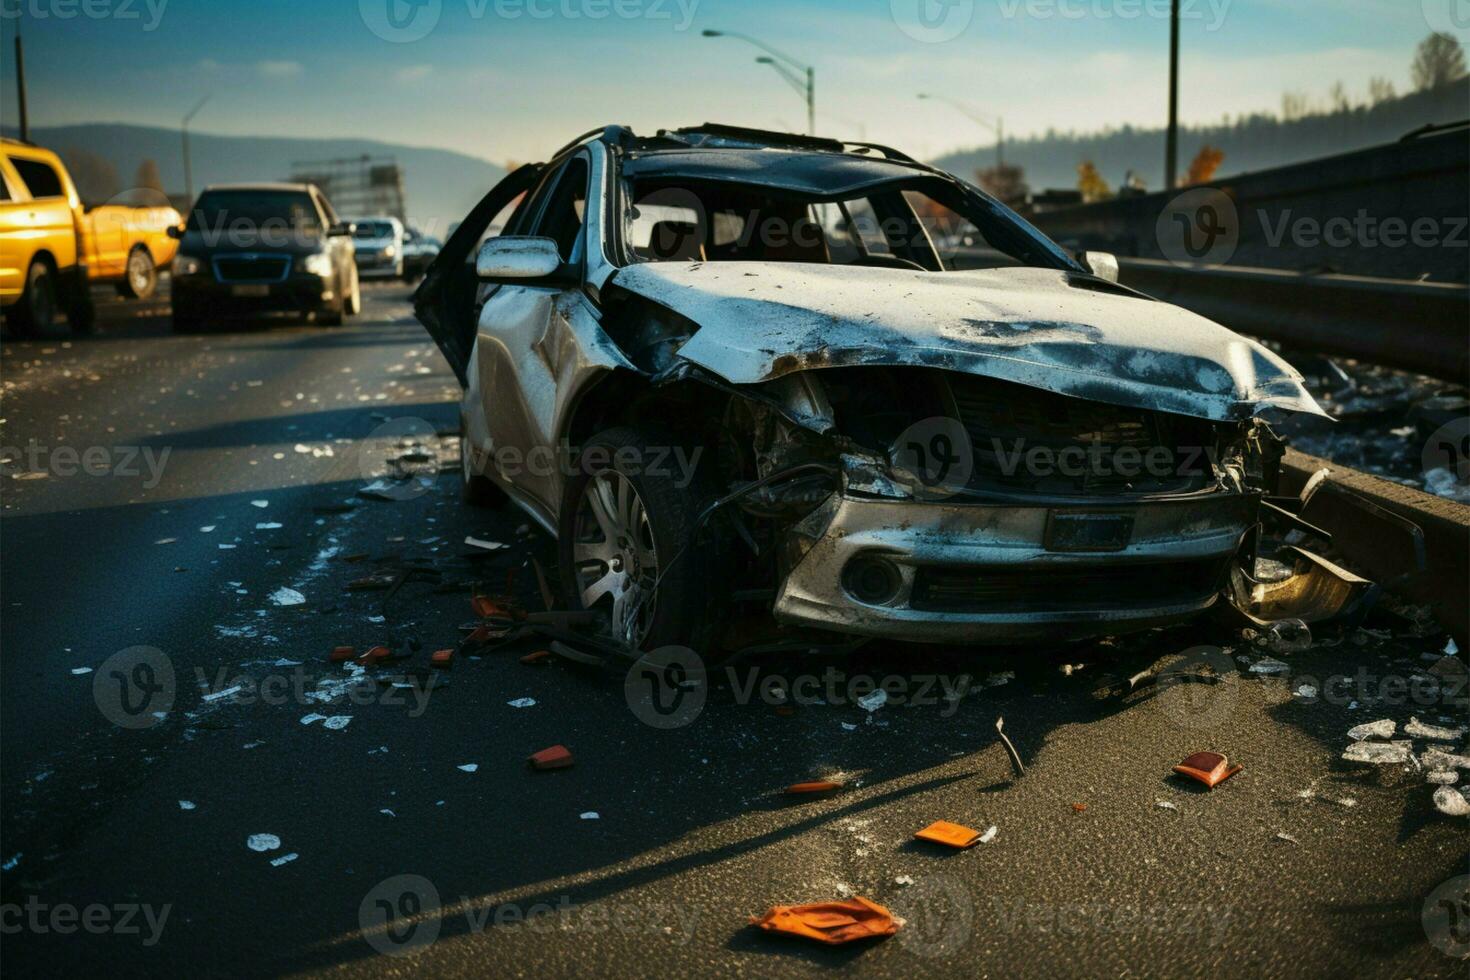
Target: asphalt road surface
(417,838)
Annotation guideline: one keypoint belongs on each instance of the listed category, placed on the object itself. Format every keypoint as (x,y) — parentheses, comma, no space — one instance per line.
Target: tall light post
(20,85)
(188,164)
(996,125)
(801,77)
(1171,140)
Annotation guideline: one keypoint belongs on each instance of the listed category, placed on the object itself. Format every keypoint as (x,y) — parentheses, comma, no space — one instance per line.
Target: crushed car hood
(1045,328)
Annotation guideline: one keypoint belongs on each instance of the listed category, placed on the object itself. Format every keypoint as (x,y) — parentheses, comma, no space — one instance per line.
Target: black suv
(252,249)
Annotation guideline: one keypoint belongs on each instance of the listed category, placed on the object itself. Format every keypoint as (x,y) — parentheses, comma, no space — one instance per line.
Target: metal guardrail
(1417,326)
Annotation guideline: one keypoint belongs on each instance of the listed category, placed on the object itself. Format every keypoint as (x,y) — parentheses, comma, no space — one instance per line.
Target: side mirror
(514,258)
(1104,265)
(174,232)
(341,229)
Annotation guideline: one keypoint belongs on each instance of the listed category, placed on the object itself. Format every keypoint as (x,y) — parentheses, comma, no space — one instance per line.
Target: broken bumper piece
(970,572)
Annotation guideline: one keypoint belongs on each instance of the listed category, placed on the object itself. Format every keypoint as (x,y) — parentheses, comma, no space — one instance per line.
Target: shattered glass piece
(1451,801)
(287,597)
(1378,753)
(1437,759)
(1270,665)
(874,701)
(1418,729)
(262,842)
(1383,728)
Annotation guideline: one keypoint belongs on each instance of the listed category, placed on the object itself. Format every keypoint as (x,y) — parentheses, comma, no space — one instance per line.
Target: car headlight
(187,265)
(318,264)
(390,251)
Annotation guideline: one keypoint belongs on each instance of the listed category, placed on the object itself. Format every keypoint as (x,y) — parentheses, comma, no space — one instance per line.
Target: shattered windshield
(923,223)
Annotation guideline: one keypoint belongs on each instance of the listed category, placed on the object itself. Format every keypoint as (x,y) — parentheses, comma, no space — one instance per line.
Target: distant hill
(440,185)
(1251,143)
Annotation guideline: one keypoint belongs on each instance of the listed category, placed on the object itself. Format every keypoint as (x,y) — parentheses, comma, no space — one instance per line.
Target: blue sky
(510,80)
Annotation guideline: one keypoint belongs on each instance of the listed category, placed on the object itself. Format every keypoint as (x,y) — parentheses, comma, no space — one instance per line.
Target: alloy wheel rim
(138,270)
(615,559)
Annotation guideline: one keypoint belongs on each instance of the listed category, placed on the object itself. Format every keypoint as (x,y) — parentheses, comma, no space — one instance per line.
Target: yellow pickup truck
(52,247)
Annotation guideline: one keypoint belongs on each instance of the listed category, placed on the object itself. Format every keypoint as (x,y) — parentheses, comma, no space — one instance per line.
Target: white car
(379,244)
(734,375)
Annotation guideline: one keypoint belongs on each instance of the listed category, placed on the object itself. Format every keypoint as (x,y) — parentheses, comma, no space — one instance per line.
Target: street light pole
(20,85)
(996,126)
(1171,140)
(784,63)
(188,163)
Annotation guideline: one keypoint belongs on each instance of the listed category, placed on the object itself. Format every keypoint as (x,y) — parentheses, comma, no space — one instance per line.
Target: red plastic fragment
(342,654)
(1210,768)
(556,757)
(442,658)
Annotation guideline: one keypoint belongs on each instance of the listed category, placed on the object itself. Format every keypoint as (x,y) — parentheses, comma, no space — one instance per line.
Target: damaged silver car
(764,388)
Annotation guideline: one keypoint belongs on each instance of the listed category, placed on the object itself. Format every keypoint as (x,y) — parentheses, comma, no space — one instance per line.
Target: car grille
(1064,588)
(251,268)
(1001,418)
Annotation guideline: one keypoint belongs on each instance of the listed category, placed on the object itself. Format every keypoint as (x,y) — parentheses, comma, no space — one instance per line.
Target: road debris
(1379,753)
(1417,729)
(468,767)
(1439,759)
(816,786)
(1383,728)
(1210,768)
(953,834)
(1283,835)
(287,597)
(590,815)
(342,654)
(1270,665)
(262,842)
(1020,767)
(1166,805)
(833,923)
(522,703)
(1451,801)
(556,757)
(535,656)
(284,859)
(442,659)
(989,834)
(482,544)
(186,805)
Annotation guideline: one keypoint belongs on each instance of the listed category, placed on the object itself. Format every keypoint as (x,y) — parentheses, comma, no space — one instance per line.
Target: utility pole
(1171,140)
(811,101)
(996,125)
(789,69)
(20,85)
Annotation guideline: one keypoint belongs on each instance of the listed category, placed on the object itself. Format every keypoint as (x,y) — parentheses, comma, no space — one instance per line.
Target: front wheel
(142,275)
(628,545)
(33,314)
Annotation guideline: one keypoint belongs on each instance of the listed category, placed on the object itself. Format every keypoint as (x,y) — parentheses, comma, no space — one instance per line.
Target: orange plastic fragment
(830,922)
(556,757)
(442,658)
(375,655)
(1210,768)
(341,654)
(949,834)
(532,658)
(486,606)
(480,634)
(817,786)
(1079,807)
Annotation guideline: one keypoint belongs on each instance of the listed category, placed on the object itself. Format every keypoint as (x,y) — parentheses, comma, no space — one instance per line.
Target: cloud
(279,69)
(413,73)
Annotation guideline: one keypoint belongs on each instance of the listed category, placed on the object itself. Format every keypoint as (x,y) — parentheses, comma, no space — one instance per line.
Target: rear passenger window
(40,179)
(4,189)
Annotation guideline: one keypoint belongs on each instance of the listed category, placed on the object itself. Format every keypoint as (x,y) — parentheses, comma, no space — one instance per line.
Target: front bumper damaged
(978,572)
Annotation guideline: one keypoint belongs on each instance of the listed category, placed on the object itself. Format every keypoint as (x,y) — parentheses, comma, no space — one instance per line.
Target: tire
(354,296)
(140,278)
(654,536)
(37,307)
(333,317)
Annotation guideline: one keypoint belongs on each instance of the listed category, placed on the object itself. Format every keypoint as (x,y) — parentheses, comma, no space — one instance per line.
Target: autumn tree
(1091,183)
(1439,61)
(93,174)
(1294,105)
(1204,165)
(1380,90)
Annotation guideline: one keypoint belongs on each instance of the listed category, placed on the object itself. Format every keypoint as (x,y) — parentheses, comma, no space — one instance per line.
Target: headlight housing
(390,251)
(318,264)
(187,265)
